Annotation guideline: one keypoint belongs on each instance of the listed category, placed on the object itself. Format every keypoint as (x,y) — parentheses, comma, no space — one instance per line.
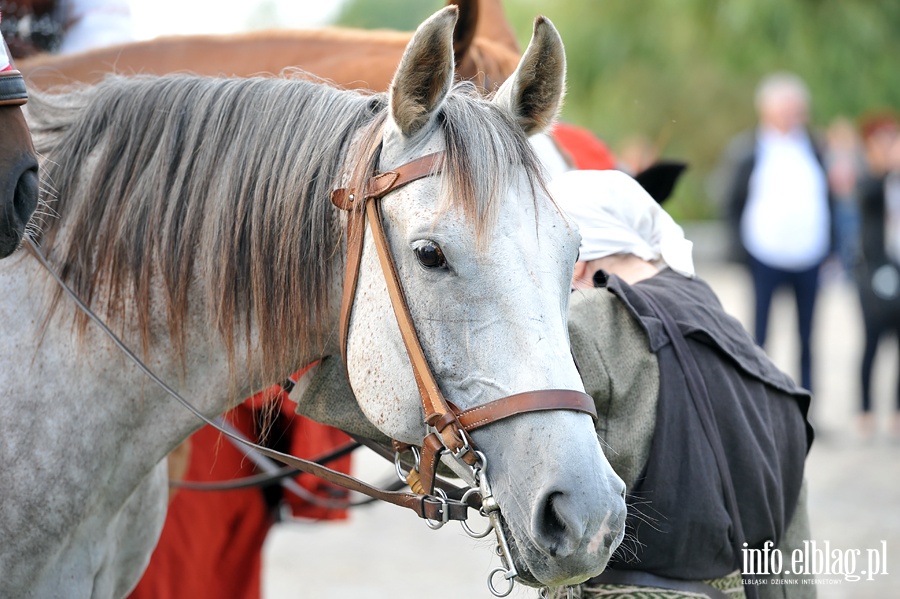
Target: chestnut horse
(484,45)
(18,162)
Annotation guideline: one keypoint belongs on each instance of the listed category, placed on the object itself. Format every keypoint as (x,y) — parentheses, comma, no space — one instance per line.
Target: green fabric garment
(620,373)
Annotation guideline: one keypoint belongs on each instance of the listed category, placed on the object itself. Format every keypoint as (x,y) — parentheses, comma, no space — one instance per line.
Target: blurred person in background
(636,154)
(878,268)
(845,164)
(878,130)
(779,207)
(64,26)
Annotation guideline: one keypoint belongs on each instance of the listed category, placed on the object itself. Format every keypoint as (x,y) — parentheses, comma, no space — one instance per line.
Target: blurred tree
(402,15)
(683,72)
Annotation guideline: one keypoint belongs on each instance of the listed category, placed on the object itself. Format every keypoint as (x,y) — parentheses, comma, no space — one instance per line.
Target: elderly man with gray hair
(779,207)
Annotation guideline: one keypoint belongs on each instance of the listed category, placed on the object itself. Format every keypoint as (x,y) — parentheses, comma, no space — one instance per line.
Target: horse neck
(370,57)
(493,25)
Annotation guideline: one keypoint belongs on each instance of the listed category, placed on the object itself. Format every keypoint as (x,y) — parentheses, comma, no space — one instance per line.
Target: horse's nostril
(25,199)
(553,525)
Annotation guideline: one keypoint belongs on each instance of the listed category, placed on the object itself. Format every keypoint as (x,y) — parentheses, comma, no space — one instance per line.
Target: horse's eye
(430,255)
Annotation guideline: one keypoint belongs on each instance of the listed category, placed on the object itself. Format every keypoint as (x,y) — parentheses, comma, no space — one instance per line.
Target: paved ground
(854,486)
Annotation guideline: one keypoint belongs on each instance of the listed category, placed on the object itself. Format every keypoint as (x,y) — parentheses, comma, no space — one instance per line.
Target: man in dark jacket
(778,206)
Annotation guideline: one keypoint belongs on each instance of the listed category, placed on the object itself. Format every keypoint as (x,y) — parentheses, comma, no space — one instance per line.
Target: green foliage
(402,15)
(683,72)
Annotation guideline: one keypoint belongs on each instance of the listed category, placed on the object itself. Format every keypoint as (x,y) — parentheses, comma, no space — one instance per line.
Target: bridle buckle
(441,497)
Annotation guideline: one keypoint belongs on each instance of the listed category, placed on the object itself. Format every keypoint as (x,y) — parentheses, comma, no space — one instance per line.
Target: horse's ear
(534,92)
(466,26)
(425,73)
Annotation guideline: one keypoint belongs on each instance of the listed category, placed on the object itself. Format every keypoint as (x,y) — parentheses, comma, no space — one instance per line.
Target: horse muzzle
(18,202)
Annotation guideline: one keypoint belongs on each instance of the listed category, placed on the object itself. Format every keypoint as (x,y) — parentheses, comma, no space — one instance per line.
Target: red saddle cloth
(211,544)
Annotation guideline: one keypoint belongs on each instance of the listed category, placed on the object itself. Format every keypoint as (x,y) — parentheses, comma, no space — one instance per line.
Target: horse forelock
(160,182)
(486,152)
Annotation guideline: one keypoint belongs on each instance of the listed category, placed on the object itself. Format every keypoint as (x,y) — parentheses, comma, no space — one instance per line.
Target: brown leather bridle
(449,426)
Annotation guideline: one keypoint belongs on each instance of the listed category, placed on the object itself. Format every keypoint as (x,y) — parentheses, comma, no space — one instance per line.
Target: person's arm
(622,375)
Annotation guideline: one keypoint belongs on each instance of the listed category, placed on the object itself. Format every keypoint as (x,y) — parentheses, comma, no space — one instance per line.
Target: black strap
(703,405)
(12,89)
(645,579)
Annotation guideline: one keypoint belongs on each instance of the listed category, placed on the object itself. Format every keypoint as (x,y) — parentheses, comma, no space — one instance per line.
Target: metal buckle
(445,510)
(465,448)
(454,460)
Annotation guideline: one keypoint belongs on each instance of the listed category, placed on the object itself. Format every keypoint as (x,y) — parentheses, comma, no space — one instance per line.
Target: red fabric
(586,150)
(211,544)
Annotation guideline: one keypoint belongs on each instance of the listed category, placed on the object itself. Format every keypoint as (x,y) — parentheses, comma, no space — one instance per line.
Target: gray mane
(160,181)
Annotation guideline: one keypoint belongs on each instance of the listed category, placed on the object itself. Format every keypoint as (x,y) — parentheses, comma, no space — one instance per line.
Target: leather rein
(433,508)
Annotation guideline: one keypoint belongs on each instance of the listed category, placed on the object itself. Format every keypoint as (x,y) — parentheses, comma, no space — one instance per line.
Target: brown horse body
(485,47)
(18,162)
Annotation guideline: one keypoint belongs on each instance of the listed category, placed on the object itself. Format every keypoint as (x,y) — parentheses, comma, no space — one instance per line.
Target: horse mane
(164,182)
